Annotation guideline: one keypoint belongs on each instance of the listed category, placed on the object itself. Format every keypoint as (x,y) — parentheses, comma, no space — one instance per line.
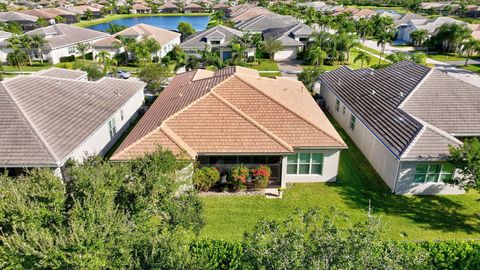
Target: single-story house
(215,38)
(56,115)
(168,8)
(234,116)
(166,38)
(221,6)
(68,16)
(403,118)
(431,25)
(83,9)
(40,13)
(194,8)
(26,21)
(62,40)
(245,12)
(265,21)
(293,38)
(109,44)
(140,8)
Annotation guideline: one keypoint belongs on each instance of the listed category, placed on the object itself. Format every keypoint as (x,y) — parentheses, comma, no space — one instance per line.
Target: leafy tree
(60,19)
(42,22)
(192,62)
(450,36)
(363,56)
(83,48)
(383,39)
(309,76)
(185,29)
(88,15)
(271,46)
(154,75)
(418,38)
(318,55)
(466,158)
(469,47)
(37,43)
(152,45)
(115,28)
(178,56)
(94,71)
(397,57)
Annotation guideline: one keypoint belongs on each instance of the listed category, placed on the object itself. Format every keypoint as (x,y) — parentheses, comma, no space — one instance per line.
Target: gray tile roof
(266,21)
(48,118)
(374,97)
(198,40)
(447,103)
(430,144)
(61,35)
(12,16)
(287,34)
(62,73)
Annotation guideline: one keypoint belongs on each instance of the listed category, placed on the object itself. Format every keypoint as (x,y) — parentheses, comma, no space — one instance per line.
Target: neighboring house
(389,14)
(404,19)
(3,37)
(293,38)
(194,8)
(68,16)
(40,13)
(403,118)
(62,40)
(140,8)
(56,115)
(95,11)
(473,11)
(26,21)
(215,38)
(265,21)
(475,30)
(431,25)
(319,6)
(109,44)
(166,38)
(245,12)
(168,8)
(221,6)
(234,116)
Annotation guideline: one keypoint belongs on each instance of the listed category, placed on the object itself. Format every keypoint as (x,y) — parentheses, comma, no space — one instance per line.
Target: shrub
(261,175)
(238,176)
(205,178)
(70,58)
(217,254)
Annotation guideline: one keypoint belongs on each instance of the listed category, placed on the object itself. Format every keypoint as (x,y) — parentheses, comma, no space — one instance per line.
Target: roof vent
(117,92)
(180,94)
(373,92)
(401,94)
(339,81)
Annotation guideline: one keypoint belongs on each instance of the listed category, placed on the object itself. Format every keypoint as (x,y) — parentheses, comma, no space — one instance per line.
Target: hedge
(218,254)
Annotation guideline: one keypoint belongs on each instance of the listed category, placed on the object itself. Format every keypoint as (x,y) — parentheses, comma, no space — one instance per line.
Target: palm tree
(152,45)
(26,43)
(238,51)
(192,63)
(271,46)
(363,56)
(102,57)
(469,47)
(382,40)
(318,55)
(83,48)
(37,43)
(419,37)
(397,57)
(346,42)
(364,28)
(17,58)
(320,39)
(142,53)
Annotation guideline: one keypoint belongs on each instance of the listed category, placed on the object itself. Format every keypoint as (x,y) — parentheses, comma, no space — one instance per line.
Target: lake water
(165,22)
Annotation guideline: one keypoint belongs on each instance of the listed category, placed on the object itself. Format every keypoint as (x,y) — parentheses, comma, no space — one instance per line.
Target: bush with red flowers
(261,176)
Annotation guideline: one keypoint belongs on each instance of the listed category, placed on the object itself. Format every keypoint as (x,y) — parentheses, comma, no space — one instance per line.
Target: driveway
(290,67)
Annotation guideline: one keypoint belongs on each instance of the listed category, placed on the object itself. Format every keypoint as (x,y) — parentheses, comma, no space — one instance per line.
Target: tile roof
(12,16)
(38,13)
(287,34)
(107,42)
(447,103)
(47,118)
(374,97)
(161,35)
(198,40)
(232,110)
(62,73)
(430,144)
(265,21)
(62,35)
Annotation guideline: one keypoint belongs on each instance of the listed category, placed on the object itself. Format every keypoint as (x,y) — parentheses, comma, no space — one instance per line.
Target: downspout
(396,176)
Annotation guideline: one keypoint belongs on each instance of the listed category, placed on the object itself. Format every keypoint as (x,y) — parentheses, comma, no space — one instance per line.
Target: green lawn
(472,67)
(445,57)
(264,65)
(353,53)
(405,217)
(28,69)
(400,10)
(109,18)
(368,49)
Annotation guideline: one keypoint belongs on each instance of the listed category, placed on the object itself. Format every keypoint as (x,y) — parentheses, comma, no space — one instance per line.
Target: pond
(165,22)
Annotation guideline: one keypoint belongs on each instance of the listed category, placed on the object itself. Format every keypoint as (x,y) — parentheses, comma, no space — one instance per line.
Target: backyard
(357,188)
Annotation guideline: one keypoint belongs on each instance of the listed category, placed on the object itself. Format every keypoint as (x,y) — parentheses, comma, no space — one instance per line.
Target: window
(305,163)
(121,114)
(343,110)
(337,105)
(433,173)
(72,50)
(352,122)
(112,129)
(215,42)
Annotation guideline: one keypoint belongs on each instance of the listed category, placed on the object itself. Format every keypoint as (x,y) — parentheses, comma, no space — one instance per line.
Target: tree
(363,56)
(134,215)
(469,47)
(94,71)
(108,64)
(42,22)
(25,42)
(115,28)
(185,29)
(419,58)
(192,63)
(271,46)
(60,19)
(13,27)
(17,58)
(318,55)
(37,43)
(466,158)
(309,76)
(450,36)
(88,15)
(397,57)
(82,48)
(151,45)
(418,38)
(238,53)
(382,39)
(154,75)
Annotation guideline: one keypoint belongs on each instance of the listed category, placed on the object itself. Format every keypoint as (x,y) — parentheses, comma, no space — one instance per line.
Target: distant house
(95,11)
(40,13)
(234,116)
(62,40)
(140,8)
(56,115)
(68,16)
(473,11)
(293,38)
(215,38)
(403,118)
(109,44)
(221,6)
(194,8)
(265,21)
(166,38)
(26,21)
(431,25)
(245,12)
(168,8)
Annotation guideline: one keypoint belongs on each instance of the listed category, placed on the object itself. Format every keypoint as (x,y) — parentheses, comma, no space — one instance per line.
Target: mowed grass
(445,57)
(357,65)
(264,65)
(357,188)
(472,67)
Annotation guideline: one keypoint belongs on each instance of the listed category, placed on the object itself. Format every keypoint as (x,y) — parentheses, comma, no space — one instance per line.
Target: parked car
(123,74)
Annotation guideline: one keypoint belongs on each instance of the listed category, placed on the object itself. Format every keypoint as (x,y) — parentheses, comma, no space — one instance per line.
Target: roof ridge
(252,121)
(37,133)
(177,140)
(296,114)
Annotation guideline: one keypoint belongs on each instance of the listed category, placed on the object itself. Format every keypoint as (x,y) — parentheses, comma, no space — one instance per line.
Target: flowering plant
(261,174)
(238,176)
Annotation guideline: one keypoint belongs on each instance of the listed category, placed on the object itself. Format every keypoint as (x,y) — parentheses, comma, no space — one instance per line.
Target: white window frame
(112,127)
(344,109)
(337,105)
(72,50)
(121,114)
(310,164)
(430,172)
(353,121)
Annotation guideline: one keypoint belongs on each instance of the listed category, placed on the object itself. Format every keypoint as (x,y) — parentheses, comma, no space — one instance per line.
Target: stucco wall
(331,159)
(384,162)
(100,142)
(406,184)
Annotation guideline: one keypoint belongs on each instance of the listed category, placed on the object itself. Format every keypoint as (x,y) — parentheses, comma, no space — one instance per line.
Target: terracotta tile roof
(234,110)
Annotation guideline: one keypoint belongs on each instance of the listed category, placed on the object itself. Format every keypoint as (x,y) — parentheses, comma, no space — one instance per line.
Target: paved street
(290,68)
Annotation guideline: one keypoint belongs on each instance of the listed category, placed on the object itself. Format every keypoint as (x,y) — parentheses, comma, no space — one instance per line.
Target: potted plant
(238,176)
(261,176)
